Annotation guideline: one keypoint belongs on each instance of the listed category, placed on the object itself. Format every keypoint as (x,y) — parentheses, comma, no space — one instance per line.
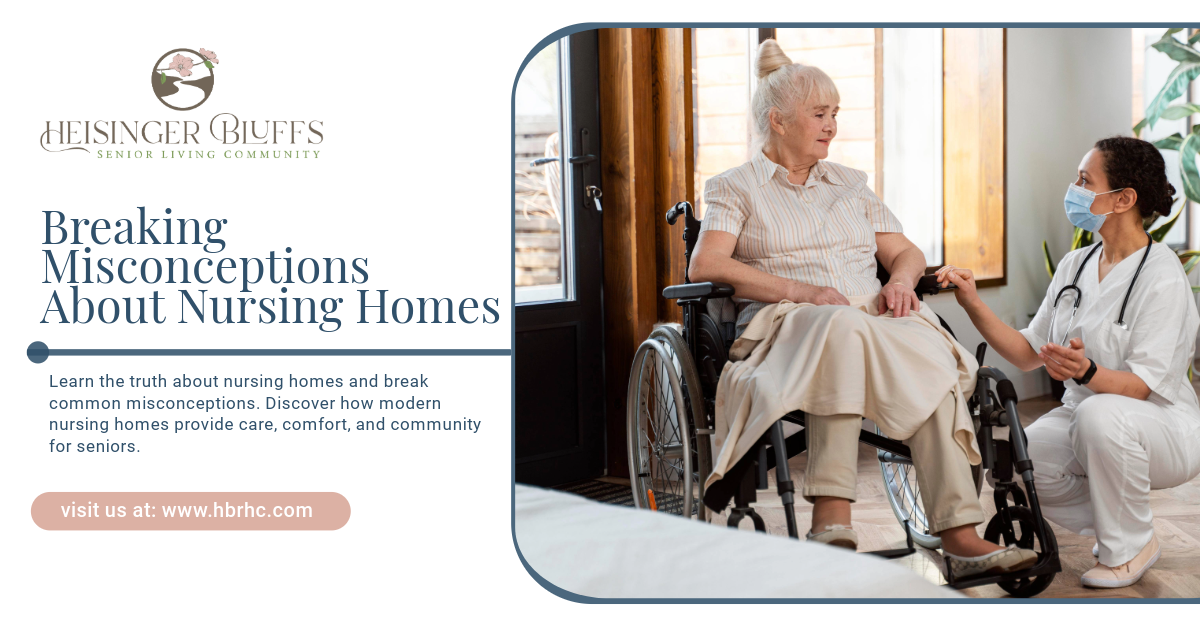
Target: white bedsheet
(605,551)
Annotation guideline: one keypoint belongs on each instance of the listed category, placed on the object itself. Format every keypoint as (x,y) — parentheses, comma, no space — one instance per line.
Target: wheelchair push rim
(693,397)
(904,495)
(659,433)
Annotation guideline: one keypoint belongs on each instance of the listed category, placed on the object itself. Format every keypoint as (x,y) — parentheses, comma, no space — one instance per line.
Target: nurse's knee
(1050,457)
(1098,421)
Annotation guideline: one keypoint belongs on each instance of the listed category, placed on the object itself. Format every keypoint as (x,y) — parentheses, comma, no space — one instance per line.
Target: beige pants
(943,473)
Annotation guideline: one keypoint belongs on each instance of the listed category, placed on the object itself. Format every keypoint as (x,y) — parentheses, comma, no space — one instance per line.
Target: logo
(183,78)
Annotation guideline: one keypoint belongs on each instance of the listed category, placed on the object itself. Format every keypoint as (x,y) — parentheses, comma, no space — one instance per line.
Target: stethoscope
(1079,293)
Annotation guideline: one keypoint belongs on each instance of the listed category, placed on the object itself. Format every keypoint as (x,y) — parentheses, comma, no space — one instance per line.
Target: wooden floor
(1177,524)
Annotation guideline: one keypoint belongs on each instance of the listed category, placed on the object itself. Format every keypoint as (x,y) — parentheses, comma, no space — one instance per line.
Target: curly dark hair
(1133,163)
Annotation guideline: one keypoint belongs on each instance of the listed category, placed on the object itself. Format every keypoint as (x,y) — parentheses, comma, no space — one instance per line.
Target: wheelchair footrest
(908,549)
(894,553)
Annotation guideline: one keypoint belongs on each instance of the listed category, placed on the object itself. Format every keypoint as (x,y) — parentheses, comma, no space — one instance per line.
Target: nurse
(1118,327)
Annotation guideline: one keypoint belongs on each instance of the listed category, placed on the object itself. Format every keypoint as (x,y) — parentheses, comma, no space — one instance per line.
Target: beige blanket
(828,359)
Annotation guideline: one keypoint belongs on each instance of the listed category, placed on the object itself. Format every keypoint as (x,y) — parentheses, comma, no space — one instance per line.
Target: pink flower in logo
(182,64)
(210,55)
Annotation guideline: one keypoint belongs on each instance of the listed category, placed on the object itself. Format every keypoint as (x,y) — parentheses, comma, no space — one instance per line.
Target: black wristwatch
(1087,377)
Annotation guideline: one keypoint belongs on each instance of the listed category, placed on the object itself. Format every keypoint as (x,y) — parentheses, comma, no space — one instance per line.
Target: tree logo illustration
(183,78)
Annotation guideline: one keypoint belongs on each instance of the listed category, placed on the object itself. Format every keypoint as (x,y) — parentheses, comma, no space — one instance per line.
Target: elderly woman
(790,228)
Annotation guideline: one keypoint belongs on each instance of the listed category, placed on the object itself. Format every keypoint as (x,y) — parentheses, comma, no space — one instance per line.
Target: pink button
(190,511)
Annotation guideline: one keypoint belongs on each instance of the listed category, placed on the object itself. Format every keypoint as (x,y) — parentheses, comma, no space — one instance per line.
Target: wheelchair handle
(1006,391)
(681,208)
(928,284)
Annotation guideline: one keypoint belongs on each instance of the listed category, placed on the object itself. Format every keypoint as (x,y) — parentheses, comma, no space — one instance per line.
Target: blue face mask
(1078,204)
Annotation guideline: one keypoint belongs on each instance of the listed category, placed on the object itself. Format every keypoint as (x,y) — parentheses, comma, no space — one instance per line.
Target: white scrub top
(1161,318)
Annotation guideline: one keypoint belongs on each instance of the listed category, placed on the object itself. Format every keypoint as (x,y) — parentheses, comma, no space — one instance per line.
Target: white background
(415,174)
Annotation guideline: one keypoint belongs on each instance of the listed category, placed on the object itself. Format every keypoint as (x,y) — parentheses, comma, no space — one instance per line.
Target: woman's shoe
(1104,577)
(836,535)
(1009,559)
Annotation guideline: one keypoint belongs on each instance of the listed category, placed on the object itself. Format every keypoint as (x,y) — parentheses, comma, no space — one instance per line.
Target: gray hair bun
(770,58)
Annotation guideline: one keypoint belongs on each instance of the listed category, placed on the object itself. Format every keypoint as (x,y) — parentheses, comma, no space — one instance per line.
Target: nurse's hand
(964,282)
(1063,363)
(899,299)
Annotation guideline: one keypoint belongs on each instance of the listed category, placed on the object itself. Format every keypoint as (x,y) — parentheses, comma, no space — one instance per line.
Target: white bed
(605,551)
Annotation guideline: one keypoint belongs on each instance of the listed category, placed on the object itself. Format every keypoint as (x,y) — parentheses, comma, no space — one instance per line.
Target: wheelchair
(670,416)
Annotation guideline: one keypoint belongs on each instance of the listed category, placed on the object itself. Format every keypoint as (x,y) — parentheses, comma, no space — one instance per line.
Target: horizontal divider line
(279,352)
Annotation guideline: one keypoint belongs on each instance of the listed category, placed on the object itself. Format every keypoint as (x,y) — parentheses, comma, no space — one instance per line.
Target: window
(889,123)
(912,132)
(722,87)
(539,179)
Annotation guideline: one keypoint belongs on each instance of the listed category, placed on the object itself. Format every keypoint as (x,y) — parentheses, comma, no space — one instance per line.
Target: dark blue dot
(168,210)
(289,249)
(283,289)
(37,352)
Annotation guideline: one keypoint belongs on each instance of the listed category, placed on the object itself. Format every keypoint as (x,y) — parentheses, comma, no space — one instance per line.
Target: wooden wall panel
(973,144)
(648,162)
(674,161)
(630,259)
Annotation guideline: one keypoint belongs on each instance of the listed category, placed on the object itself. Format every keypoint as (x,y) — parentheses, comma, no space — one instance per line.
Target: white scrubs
(1097,457)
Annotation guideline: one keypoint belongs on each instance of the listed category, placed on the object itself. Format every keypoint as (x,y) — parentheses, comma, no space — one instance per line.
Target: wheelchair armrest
(929,285)
(704,289)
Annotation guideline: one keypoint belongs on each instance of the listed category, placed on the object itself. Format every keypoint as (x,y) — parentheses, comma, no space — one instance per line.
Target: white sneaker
(1105,577)
(1096,549)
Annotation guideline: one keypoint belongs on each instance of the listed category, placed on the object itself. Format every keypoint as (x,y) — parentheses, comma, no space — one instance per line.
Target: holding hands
(964,282)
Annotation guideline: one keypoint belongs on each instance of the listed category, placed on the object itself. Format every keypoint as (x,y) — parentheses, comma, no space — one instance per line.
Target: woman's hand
(817,295)
(899,299)
(1063,363)
(964,282)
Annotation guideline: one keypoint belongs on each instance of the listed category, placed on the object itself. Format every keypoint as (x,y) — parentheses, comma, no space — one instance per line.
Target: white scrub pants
(1095,464)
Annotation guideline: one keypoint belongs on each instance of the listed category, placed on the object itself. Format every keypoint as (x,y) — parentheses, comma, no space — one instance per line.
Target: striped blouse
(820,233)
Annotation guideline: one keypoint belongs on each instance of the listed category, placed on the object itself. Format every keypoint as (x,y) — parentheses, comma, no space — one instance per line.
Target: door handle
(591,193)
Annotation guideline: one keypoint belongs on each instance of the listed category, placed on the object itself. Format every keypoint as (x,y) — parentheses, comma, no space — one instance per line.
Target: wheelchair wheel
(1022,533)
(904,496)
(659,433)
(693,398)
